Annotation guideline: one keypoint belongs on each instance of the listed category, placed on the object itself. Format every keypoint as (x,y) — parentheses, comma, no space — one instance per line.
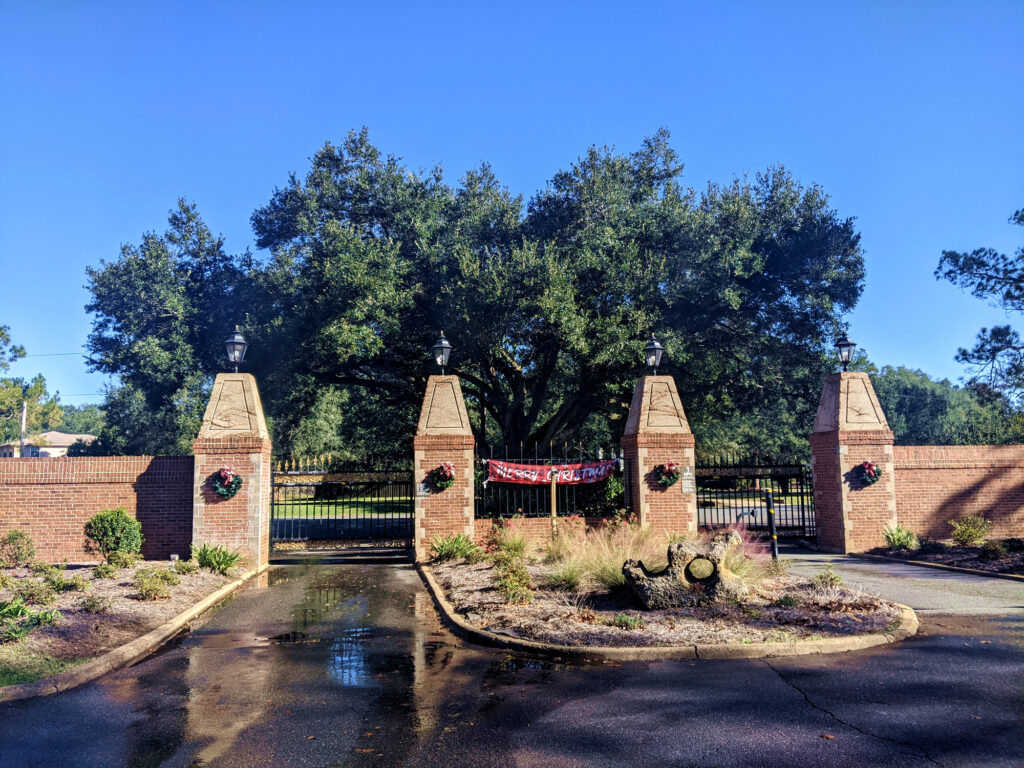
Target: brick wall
(828,491)
(447,512)
(665,509)
(935,484)
(51,499)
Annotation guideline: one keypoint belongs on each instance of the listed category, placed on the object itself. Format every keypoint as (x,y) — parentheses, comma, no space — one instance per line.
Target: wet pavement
(345,664)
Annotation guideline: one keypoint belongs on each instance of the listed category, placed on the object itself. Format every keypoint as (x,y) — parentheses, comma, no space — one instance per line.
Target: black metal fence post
(770,501)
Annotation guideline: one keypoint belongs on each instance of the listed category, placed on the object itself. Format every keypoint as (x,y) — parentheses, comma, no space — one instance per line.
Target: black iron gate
(732,491)
(346,502)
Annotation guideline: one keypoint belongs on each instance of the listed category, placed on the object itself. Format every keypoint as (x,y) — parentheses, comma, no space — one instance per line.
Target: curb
(907,627)
(125,654)
(940,566)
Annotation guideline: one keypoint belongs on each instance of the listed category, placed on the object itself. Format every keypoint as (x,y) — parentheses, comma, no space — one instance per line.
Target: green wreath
(868,472)
(443,477)
(667,474)
(227,482)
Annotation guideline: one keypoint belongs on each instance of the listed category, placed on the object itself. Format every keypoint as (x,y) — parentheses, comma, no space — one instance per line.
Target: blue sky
(908,114)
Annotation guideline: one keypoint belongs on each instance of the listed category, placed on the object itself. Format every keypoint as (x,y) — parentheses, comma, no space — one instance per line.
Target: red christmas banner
(540,474)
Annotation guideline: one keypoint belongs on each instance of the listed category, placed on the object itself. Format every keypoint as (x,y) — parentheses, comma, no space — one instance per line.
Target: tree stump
(696,573)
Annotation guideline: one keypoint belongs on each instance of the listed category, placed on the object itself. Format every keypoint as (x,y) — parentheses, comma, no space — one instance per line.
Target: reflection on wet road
(346,665)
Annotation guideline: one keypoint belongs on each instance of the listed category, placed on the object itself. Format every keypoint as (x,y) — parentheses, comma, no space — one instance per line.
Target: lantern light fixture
(653,352)
(442,349)
(236,346)
(845,349)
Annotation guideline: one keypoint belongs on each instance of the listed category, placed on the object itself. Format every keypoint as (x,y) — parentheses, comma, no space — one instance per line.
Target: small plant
(17,620)
(513,582)
(898,538)
(6,582)
(443,477)
(625,621)
(827,578)
(217,558)
(64,583)
(566,576)
(453,547)
(970,530)
(778,567)
(154,583)
(39,568)
(227,482)
(16,548)
(35,592)
(992,550)
(114,530)
(185,567)
(667,474)
(97,603)
(14,609)
(786,601)
(104,571)
(119,559)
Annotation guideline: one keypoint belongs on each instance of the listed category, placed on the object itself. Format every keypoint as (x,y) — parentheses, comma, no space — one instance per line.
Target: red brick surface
(666,510)
(52,499)
(935,484)
(447,512)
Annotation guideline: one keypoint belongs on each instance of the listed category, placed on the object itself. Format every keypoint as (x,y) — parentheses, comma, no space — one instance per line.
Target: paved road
(347,665)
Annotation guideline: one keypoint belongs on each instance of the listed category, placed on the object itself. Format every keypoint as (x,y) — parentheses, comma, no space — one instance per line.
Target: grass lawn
(19,664)
(342,508)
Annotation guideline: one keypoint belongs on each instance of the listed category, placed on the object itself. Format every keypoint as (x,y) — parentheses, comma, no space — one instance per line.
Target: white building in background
(46,445)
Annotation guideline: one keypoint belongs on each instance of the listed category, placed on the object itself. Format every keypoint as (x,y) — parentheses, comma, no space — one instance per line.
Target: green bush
(119,559)
(58,579)
(898,538)
(969,530)
(452,547)
(184,567)
(104,571)
(567,576)
(154,583)
(17,620)
(35,592)
(625,621)
(114,530)
(97,603)
(16,548)
(827,578)
(786,601)
(217,558)
(6,582)
(39,568)
(513,582)
(992,550)
(513,541)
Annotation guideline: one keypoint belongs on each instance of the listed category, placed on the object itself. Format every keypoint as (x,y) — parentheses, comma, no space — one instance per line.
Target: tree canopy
(548,302)
(997,357)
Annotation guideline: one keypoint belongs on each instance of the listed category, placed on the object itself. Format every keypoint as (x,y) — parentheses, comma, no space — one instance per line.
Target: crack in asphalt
(839,720)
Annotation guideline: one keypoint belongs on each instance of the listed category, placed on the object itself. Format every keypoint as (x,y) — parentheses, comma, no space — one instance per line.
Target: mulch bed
(962,557)
(588,618)
(81,634)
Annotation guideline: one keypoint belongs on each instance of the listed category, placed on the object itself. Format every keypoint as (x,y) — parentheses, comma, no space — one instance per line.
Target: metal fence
(496,499)
(731,491)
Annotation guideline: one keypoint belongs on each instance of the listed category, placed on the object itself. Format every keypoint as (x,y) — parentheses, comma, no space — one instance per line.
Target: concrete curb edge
(940,566)
(907,627)
(125,654)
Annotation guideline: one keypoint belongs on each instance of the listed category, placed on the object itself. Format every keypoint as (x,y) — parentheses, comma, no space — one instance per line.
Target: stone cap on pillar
(235,410)
(849,404)
(444,409)
(656,408)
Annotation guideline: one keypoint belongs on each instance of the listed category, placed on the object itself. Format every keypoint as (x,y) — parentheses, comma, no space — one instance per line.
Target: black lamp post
(653,352)
(845,349)
(236,346)
(441,351)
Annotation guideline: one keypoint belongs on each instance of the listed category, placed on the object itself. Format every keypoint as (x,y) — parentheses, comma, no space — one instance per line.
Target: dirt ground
(81,634)
(589,618)
(963,557)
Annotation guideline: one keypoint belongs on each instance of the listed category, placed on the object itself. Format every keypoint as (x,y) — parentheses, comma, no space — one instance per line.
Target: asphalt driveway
(339,663)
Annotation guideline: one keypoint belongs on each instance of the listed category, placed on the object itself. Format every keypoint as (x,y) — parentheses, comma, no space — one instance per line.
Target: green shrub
(104,571)
(453,547)
(184,567)
(35,592)
(969,530)
(17,620)
(513,582)
(778,567)
(16,548)
(13,609)
(61,582)
(217,558)
(786,601)
(119,559)
(154,583)
(826,578)
(625,621)
(992,550)
(567,576)
(898,538)
(6,582)
(114,530)
(97,603)
(39,568)
(512,540)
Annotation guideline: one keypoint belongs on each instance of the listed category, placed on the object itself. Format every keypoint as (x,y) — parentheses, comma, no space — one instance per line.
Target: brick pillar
(234,434)
(851,428)
(443,435)
(657,431)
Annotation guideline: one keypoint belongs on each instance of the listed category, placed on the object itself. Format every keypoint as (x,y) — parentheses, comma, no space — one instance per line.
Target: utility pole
(24,417)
